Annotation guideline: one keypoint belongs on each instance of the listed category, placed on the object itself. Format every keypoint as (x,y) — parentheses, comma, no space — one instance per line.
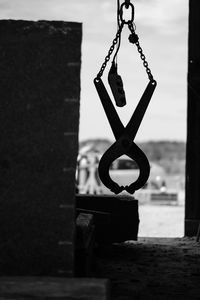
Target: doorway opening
(164,38)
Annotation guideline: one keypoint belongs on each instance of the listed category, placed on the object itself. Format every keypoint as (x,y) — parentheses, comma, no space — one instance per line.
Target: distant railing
(173,197)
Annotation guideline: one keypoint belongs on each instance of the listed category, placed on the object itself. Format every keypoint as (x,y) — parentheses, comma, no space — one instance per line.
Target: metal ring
(121,13)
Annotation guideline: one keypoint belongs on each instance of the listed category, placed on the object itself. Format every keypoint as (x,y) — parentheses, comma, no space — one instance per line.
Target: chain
(139,49)
(107,58)
(133,39)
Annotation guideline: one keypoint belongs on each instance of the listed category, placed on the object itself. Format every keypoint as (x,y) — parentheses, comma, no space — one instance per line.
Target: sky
(162,27)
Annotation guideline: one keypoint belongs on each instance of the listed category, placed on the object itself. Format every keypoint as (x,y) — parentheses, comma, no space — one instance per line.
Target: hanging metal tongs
(124,135)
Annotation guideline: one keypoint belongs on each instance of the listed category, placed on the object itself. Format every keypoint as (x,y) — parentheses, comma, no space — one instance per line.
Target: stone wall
(39,118)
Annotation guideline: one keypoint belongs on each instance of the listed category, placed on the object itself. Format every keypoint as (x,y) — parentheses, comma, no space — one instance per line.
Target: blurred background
(162,27)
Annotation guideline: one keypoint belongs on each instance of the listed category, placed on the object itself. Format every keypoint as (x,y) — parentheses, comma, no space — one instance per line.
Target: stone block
(116,218)
(39,119)
(54,288)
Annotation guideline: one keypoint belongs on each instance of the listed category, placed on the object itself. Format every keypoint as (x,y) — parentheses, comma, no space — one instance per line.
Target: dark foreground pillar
(192,209)
(39,115)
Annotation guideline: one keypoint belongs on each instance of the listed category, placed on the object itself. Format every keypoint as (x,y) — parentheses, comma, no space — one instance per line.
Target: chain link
(110,51)
(127,3)
(131,27)
(142,56)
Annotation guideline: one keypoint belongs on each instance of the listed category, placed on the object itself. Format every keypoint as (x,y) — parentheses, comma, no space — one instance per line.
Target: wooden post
(192,207)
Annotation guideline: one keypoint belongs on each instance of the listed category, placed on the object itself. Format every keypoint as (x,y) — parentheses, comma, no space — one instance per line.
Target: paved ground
(152,269)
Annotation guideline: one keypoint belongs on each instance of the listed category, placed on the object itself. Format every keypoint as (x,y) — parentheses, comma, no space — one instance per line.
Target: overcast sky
(162,26)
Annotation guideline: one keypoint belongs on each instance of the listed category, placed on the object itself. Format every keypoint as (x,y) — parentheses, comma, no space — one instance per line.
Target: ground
(153,268)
